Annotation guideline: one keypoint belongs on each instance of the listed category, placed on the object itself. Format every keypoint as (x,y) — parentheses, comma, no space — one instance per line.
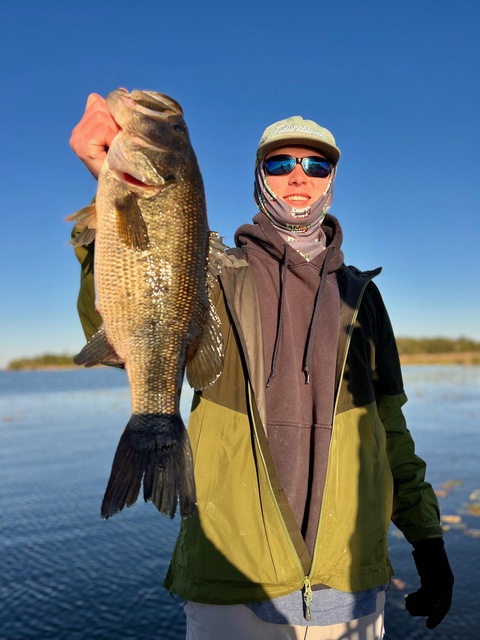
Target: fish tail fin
(169,476)
(155,448)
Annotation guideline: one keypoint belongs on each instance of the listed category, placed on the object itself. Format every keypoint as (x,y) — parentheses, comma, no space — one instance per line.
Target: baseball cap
(297,131)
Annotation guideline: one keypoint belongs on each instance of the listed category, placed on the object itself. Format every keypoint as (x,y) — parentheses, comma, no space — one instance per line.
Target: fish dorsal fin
(206,364)
(215,258)
(85,225)
(131,226)
(98,351)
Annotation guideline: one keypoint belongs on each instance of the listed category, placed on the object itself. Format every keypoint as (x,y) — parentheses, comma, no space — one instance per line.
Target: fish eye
(179,128)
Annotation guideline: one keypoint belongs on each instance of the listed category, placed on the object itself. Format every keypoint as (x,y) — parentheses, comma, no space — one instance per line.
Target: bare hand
(94,133)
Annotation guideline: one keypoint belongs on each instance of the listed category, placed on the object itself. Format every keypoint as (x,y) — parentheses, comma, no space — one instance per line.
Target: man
(302,454)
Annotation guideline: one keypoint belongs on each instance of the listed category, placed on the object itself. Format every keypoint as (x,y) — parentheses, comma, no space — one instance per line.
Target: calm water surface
(68,575)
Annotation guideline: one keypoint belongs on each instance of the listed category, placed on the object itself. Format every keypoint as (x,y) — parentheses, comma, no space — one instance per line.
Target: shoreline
(467,359)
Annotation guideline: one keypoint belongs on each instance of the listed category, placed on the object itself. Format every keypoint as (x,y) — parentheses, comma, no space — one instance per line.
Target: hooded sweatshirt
(299,309)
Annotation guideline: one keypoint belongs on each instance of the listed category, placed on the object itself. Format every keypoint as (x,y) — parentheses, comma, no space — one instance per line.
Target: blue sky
(397,81)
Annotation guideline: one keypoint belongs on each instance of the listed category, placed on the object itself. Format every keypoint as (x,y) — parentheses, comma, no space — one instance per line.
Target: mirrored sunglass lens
(277,165)
(316,167)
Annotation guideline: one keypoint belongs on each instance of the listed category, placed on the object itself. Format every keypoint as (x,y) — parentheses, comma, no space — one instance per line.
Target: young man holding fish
(301,451)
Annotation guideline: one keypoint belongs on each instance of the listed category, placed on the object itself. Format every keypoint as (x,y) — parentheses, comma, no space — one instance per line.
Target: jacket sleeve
(89,317)
(415,508)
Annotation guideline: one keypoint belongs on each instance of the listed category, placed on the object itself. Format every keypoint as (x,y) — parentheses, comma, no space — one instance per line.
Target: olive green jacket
(243,543)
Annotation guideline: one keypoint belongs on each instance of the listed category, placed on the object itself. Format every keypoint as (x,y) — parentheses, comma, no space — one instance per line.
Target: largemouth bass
(155,261)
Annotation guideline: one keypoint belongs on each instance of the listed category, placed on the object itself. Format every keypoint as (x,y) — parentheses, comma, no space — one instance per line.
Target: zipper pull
(307,598)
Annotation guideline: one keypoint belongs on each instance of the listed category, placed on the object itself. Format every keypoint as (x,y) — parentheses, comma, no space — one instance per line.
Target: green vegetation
(48,360)
(412,350)
(411,346)
(439,351)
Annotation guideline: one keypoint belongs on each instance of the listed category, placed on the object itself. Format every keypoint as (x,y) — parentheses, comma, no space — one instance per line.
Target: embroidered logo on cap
(293,128)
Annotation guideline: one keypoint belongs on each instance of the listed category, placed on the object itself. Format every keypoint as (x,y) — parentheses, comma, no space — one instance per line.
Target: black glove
(434,597)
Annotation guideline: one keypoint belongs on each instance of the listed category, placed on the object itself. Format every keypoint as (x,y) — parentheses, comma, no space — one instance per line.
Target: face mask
(301,227)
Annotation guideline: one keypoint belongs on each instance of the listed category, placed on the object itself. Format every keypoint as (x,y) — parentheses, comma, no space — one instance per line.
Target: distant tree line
(46,360)
(411,346)
(406,347)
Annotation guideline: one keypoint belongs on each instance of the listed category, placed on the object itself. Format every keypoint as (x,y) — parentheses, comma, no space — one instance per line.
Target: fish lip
(133,181)
(167,106)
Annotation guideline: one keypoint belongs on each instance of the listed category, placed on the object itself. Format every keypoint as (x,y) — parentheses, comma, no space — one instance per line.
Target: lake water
(68,575)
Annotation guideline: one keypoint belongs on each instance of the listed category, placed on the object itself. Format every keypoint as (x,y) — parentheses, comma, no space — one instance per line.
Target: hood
(269,253)
(263,234)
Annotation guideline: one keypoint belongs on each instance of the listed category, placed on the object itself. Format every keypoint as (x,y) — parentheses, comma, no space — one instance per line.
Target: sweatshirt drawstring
(273,370)
(316,313)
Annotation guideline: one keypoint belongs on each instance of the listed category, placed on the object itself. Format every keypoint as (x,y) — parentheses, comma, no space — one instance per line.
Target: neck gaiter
(301,227)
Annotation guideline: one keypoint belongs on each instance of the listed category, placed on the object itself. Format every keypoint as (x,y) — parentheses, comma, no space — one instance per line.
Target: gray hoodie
(299,308)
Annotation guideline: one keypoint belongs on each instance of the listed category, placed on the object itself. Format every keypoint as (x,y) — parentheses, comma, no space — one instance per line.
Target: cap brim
(331,153)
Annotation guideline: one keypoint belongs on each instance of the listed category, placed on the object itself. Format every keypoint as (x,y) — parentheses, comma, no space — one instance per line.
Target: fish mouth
(157,106)
(140,159)
(130,164)
(152,102)
(123,176)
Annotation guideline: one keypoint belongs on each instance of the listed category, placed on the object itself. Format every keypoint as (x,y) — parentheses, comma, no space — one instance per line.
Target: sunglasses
(312,165)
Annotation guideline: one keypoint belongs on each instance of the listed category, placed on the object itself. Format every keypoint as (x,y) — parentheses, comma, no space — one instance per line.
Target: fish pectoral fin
(85,225)
(131,226)
(98,351)
(206,364)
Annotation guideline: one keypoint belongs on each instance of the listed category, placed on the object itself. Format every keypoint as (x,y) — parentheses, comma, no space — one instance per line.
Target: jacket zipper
(307,586)
(307,598)
(307,590)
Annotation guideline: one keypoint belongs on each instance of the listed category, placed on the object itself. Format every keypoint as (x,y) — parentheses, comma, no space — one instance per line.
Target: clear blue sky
(397,81)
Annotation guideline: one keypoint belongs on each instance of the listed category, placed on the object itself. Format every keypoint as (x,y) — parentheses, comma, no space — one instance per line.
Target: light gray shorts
(237,622)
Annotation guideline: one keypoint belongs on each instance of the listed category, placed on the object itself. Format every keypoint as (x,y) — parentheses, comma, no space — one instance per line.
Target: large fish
(154,264)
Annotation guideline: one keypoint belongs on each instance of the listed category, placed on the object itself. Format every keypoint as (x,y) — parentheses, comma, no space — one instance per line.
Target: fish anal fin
(98,351)
(131,225)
